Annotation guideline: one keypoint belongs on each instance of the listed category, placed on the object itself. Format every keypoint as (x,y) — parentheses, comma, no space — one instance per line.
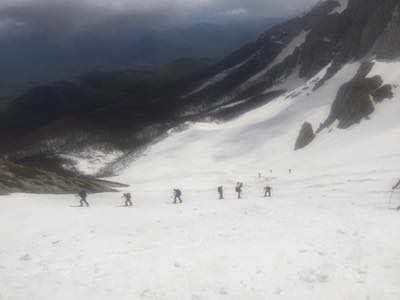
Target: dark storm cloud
(268,8)
(71,15)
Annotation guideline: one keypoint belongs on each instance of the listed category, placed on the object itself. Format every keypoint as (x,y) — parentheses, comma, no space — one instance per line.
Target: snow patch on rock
(216,78)
(297,42)
(343,6)
(90,161)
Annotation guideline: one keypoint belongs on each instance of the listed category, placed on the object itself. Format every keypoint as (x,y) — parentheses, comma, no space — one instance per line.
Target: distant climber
(177,196)
(267,191)
(128,199)
(290,171)
(83,195)
(221,192)
(396,187)
(239,189)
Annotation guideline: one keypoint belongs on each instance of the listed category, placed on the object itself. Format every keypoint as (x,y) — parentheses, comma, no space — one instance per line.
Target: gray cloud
(56,16)
(70,15)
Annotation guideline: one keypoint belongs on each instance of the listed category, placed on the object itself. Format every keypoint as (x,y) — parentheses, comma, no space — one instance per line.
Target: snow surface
(329,231)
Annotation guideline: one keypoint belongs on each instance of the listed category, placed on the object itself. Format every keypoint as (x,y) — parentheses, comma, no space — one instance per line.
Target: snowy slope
(263,139)
(317,238)
(328,232)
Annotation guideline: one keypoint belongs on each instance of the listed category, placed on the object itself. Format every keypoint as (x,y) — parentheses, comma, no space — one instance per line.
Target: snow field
(319,237)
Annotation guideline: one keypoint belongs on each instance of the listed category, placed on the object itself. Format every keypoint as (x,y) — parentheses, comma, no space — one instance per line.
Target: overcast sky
(72,15)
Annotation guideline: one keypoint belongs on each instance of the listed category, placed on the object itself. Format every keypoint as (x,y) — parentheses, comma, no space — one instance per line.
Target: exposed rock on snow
(306,136)
(384,92)
(16,178)
(354,100)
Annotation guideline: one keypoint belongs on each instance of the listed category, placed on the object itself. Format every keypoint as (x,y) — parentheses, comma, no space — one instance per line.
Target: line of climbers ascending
(177,195)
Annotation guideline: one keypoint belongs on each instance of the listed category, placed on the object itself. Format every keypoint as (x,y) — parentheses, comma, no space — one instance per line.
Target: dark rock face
(306,136)
(384,92)
(355,99)
(363,25)
(388,45)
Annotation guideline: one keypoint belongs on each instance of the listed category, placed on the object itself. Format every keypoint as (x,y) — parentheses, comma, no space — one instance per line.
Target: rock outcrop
(388,45)
(306,136)
(384,92)
(356,99)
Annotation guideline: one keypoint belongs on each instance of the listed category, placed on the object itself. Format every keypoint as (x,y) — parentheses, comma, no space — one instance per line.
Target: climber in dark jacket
(267,191)
(396,187)
(221,192)
(238,189)
(177,196)
(83,201)
(128,199)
